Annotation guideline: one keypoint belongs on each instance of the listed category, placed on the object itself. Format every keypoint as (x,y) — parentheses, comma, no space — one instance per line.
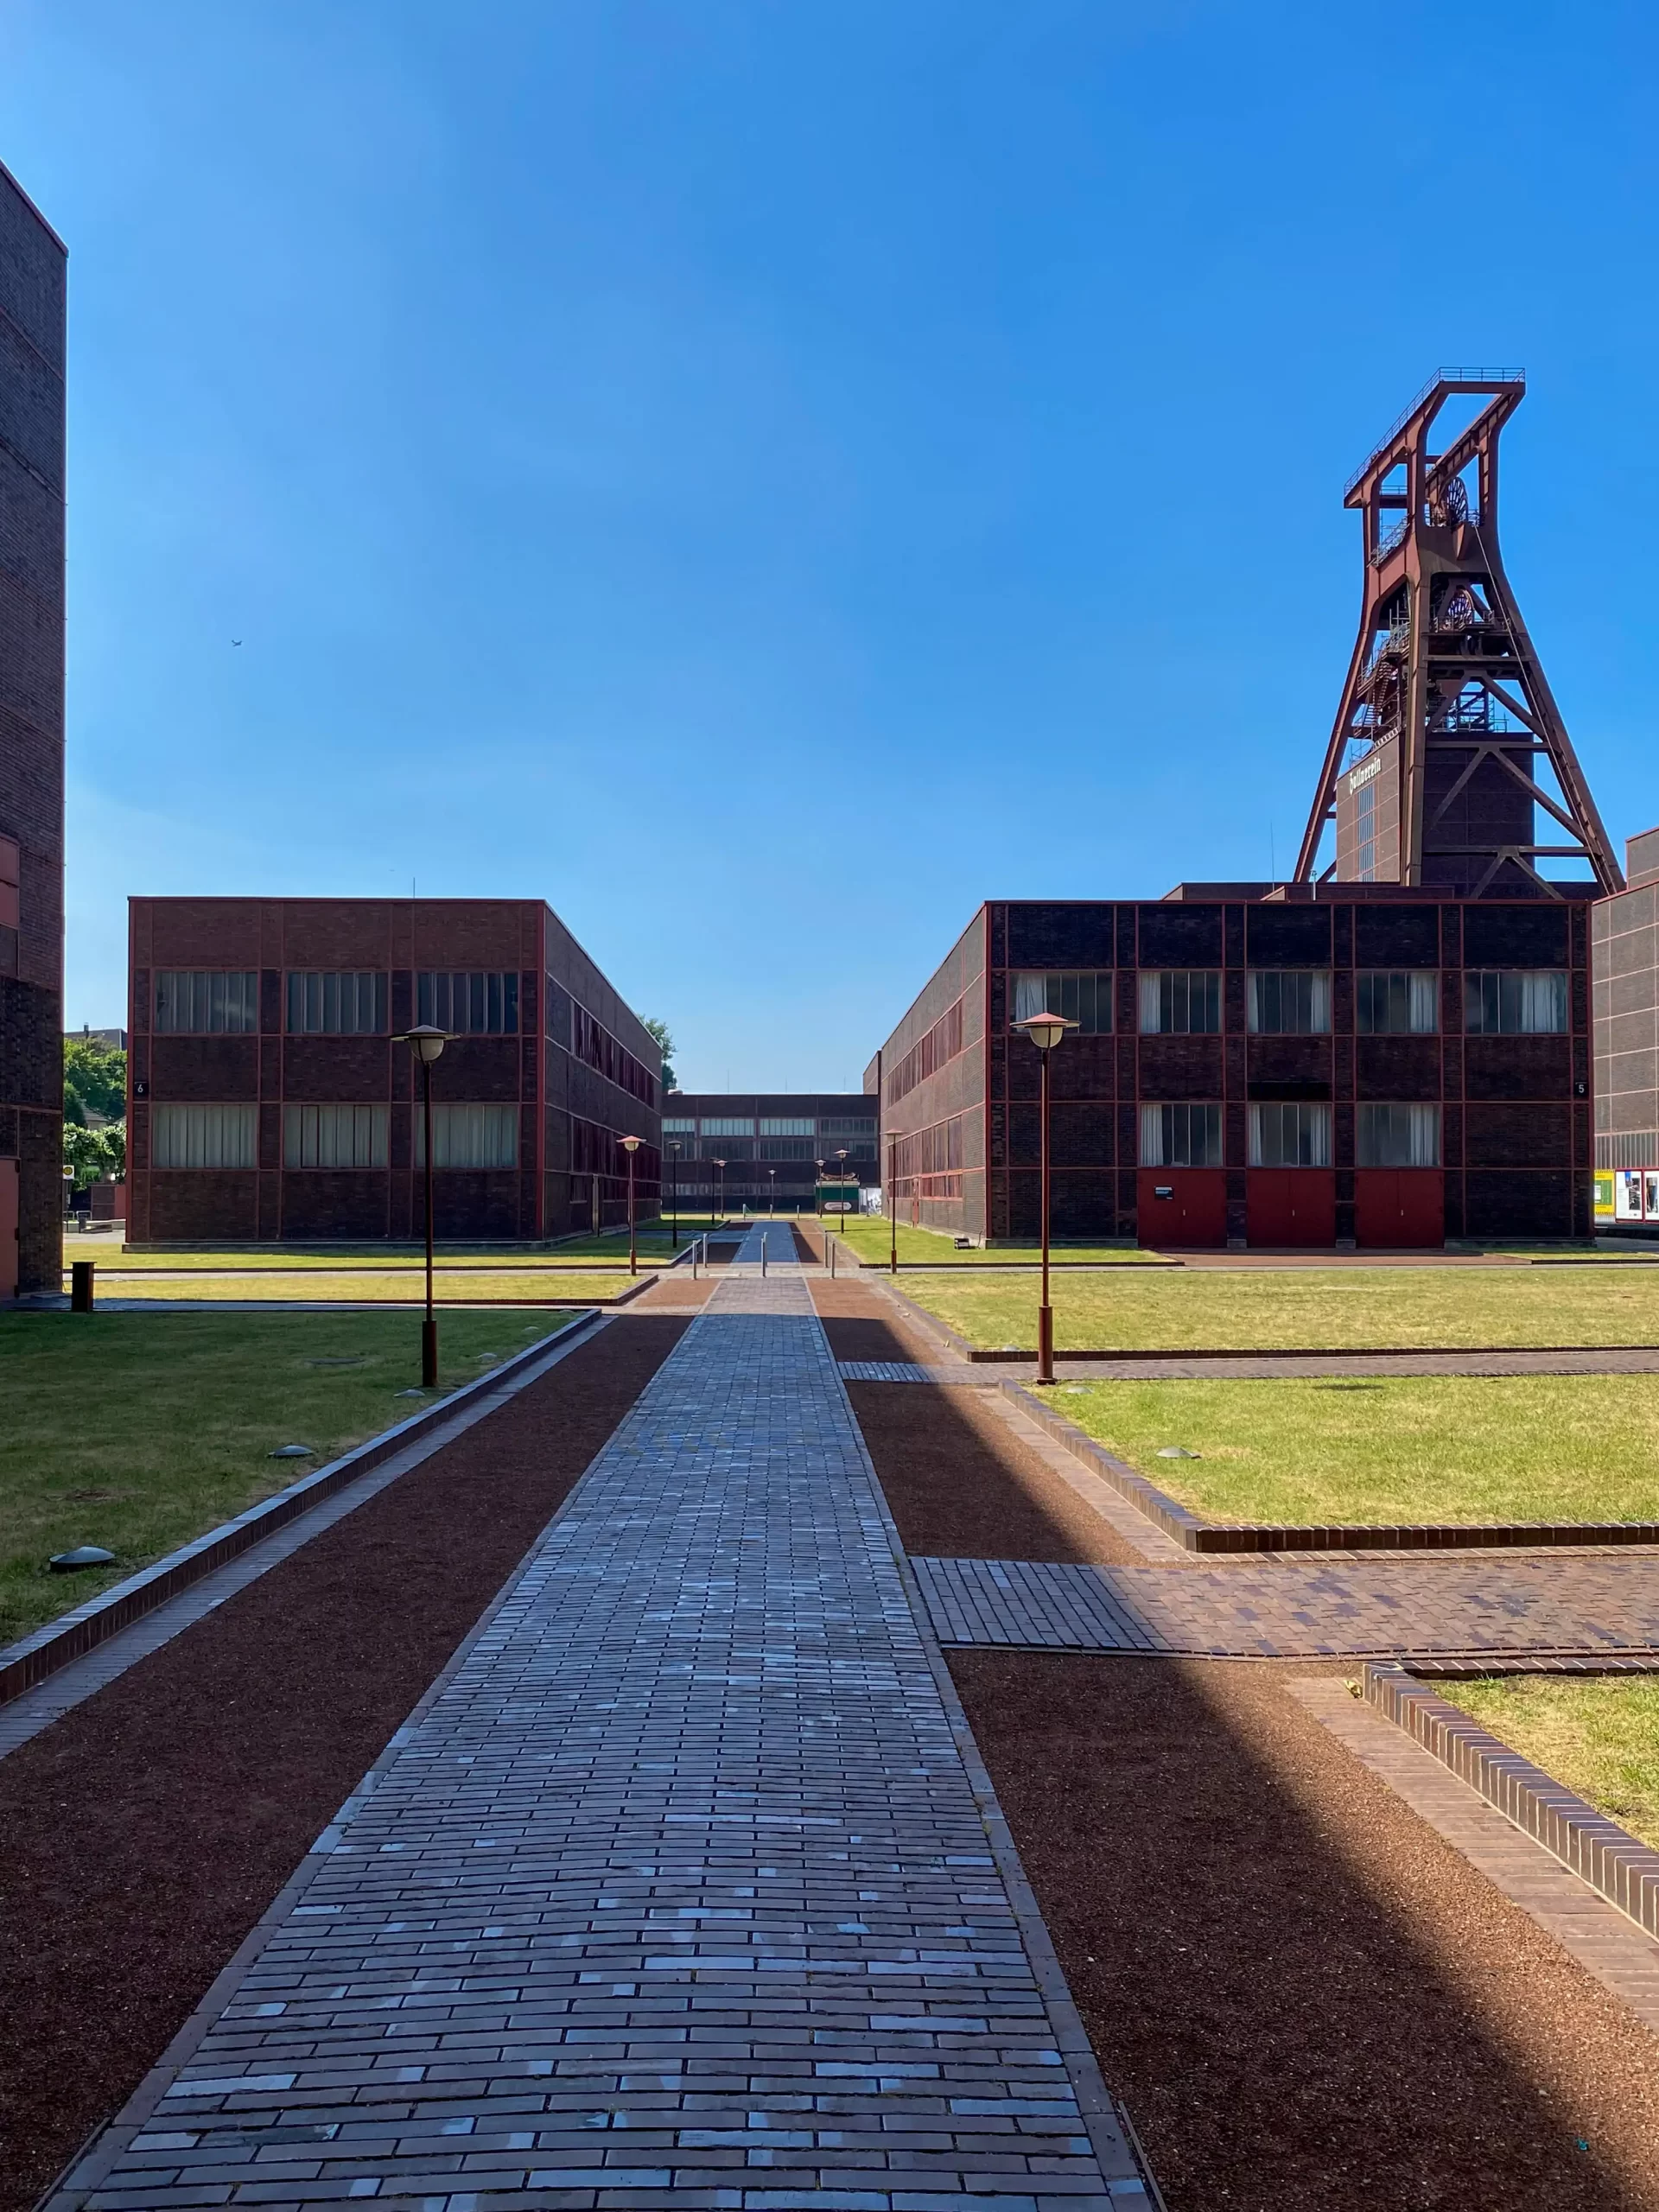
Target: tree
(82,1151)
(94,1081)
(658,1030)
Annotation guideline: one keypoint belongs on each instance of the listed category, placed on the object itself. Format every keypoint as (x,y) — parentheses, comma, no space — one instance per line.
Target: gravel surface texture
(1309,2002)
(142,1834)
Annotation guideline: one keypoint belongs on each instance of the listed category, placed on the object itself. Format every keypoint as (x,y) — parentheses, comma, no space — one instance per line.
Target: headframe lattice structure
(1447,722)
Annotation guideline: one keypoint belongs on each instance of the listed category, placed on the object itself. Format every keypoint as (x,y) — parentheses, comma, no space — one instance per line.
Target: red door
(8,1229)
(1400,1208)
(1182,1205)
(1290,1206)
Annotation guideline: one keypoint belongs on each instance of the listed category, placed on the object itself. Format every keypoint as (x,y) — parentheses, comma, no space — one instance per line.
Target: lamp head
(1045,1030)
(632,1144)
(426,1042)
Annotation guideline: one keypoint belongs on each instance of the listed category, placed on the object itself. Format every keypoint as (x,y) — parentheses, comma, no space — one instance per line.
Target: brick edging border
(35,1657)
(1194,1534)
(1624,1870)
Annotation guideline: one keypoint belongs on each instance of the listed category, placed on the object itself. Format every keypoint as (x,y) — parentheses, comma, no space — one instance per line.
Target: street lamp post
(719,1204)
(631,1145)
(674,1197)
(893,1136)
(427,1043)
(818,1188)
(1045,1032)
(771,1192)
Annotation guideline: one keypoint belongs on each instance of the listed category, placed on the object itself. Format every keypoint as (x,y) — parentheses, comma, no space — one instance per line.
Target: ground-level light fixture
(1045,1031)
(427,1043)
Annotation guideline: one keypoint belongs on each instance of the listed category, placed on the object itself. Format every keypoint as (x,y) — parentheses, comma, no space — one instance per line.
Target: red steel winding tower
(1446,723)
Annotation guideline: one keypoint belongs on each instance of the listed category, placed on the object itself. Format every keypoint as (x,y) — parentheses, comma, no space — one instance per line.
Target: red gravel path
(142,1834)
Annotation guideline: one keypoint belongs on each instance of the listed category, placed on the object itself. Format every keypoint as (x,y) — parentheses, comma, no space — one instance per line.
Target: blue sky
(765,477)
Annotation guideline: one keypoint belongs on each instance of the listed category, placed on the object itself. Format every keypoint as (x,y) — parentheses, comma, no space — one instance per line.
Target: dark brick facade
(32,294)
(577,1067)
(773,1158)
(1514,1110)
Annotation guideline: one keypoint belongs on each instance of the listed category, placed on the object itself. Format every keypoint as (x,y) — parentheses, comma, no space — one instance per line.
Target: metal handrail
(1439,377)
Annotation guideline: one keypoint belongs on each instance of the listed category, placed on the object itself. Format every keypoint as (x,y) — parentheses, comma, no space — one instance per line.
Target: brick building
(1256,1064)
(32,294)
(269,1099)
(771,1143)
(1625,953)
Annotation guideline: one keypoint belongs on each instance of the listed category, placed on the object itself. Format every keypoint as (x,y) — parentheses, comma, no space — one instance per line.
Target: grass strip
(871,1240)
(137,1432)
(1411,1449)
(1597,1737)
(1334,1309)
(404,1286)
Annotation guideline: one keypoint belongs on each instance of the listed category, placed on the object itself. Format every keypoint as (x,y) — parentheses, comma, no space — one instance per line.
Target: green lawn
(138,1431)
(870,1239)
(1598,1737)
(1321,1309)
(579,1253)
(368,1285)
(1413,1449)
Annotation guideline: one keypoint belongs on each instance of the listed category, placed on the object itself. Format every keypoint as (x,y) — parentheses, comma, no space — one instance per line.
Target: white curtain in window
(1030,996)
(1290,1001)
(334,1136)
(1152,1012)
(202,1136)
(1424,986)
(1542,995)
(1398,1137)
(1152,1130)
(1290,1135)
(469,1136)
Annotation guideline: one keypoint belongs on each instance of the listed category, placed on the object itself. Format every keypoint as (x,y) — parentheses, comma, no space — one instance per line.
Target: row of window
(335,1002)
(711,1147)
(801,1125)
(463,1135)
(1296,1002)
(1291,1135)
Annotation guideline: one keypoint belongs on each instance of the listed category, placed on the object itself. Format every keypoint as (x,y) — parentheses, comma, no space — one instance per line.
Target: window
(1180,1001)
(790,1129)
(785,1148)
(469,1004)
(1084,998)
(1181,1136)
(744,1127)
(847,1125)
(672,1129)
(345,1002)
(202,1136)
(334,1136)
(1397,1002)
(1515,1002)
(1290,1001)
(1398,1137)
(1290,1136)
(204,1002)
(928,1055)
(469,1136)
(1365,831)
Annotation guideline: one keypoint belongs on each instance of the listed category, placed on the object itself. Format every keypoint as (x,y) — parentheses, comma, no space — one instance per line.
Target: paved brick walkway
(1580,1604)
(682,1888)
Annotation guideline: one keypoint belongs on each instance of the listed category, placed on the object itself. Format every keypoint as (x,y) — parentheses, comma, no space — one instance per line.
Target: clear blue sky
(765,477)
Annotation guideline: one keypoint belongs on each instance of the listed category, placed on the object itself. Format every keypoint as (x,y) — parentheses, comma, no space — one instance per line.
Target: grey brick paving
(1581,1603)
(682,1887)
(904,1371)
